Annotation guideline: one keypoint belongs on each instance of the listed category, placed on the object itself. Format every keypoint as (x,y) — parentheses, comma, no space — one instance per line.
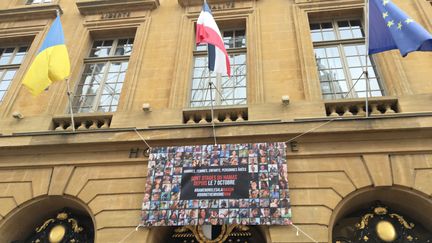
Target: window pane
(6,56)
(101,48)
(343,25)
(240,38)
(228,37)
(334,63)
(332,52)
(19,56)
(328,35)
(316,36)
(6,77)
(327,26)
(314,27)
(124,47)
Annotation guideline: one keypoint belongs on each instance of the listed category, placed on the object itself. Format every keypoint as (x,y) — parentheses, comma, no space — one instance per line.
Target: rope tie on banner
(304,233)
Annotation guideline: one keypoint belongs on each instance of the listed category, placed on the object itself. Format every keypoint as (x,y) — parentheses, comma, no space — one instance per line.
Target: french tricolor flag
(208,32)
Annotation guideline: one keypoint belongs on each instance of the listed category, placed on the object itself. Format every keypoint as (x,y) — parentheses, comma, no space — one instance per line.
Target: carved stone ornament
(88,7)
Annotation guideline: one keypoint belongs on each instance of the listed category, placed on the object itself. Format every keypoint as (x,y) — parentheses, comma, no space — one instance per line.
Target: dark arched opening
(48,218)
(383,214)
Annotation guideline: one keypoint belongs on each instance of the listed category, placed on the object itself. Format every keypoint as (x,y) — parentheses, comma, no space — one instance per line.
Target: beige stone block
(314,197)
(82,175)
(311,215)
(60,177)
(111,186)
(117,235)
(352,166)
(338,181)
(279,234)
(404,167)
(118,218)
(37,178)
(6,205)
(423,180)
(378,166)
(115,202)
(20,191)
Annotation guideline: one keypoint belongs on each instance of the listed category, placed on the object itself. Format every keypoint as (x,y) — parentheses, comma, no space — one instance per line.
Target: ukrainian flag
(51,63)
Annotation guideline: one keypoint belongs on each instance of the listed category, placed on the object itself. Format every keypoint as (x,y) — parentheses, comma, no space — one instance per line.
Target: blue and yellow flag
(51,63)
(390,28)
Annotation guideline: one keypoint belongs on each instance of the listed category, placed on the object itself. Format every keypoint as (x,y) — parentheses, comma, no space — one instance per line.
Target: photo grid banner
(224,184)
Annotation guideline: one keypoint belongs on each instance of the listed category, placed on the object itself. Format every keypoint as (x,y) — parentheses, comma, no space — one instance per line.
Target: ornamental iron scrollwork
(228,233)
(63,227)
(379,224)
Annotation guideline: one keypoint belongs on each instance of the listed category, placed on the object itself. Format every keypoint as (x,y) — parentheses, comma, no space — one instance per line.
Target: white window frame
(10,66)
(216,94)
(339,43)
(79,101)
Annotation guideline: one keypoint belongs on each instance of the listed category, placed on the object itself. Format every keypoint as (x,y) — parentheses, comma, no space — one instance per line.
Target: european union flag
(390,28)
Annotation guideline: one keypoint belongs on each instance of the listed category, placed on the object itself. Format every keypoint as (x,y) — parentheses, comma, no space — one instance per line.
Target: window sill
(202,115)
(356,107)
(87,7)
(32,11)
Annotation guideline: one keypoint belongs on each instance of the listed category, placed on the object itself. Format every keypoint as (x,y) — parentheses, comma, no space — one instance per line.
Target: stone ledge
(203,115)
(29,12)
(357,107)
(87,7)
(82,122)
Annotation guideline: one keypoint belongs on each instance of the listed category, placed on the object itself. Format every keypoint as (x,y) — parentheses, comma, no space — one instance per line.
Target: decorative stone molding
(189,3)
(87,7)
(356,107)
(82,122)
(28,12)
(329,3)
(221,114)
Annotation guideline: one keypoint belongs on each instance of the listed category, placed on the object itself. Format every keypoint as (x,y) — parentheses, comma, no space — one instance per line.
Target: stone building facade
(136,75)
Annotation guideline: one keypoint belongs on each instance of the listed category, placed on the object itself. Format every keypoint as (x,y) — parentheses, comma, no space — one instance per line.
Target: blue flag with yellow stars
(390,28)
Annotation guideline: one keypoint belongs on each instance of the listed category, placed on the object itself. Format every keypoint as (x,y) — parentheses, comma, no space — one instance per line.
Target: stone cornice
(403,123)
(87,7)
(29,12)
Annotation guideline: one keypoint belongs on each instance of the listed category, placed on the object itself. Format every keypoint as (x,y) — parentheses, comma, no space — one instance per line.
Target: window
(103,77)
(10,60)
(340,57)
(38,1)
(230,91)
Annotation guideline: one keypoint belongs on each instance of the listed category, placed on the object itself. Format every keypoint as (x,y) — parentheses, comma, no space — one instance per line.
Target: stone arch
(403,199)
(21,222)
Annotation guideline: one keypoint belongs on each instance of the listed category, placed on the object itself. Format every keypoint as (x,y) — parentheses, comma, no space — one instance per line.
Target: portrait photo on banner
(215,185)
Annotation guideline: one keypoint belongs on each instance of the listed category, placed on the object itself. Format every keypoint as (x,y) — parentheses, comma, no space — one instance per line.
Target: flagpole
(212,109)
(70,105)
(366,14)
(69,94)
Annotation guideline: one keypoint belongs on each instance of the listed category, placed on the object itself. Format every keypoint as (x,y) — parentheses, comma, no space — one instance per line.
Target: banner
(224,184)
